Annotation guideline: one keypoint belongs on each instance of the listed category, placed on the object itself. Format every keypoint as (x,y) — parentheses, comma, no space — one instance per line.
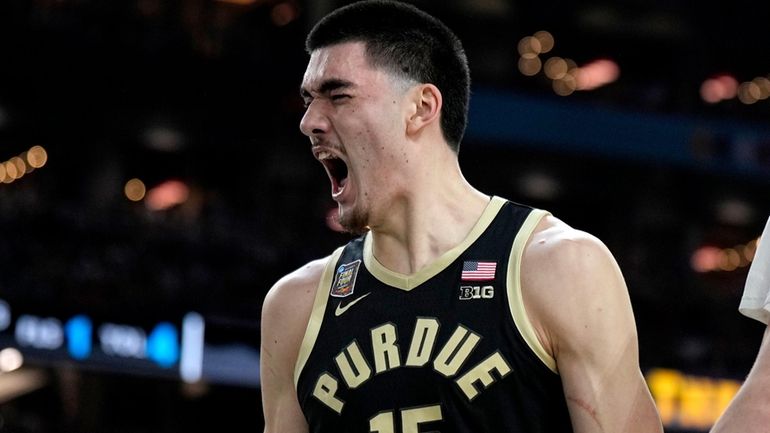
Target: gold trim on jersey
(515,299)
(317,314)
(409,282)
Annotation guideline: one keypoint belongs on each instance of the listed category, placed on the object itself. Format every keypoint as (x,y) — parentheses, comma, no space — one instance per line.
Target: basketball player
(749,412)
(454,311)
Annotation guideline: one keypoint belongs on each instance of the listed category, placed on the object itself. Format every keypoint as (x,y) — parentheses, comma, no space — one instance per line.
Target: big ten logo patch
(476,292)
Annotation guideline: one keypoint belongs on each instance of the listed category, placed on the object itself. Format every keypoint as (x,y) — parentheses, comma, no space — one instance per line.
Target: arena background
(154,184)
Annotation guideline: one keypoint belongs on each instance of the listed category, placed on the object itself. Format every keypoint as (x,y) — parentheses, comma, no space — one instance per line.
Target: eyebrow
(327,86)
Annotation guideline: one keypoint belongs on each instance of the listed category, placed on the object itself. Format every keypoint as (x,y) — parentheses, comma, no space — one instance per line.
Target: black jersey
(449,349)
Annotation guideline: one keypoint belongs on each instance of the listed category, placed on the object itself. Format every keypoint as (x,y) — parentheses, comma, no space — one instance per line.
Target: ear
(428,102)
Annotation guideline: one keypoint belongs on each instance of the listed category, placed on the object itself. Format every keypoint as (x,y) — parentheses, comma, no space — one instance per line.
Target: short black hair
(408,42)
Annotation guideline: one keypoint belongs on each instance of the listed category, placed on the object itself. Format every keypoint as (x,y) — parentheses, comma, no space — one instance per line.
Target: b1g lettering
(476,292)
(355,369)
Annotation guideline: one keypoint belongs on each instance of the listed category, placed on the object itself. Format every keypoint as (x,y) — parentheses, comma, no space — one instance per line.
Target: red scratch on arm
(590,410)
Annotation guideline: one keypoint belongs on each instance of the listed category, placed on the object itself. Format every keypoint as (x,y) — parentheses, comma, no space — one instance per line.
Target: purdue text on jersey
(416,356)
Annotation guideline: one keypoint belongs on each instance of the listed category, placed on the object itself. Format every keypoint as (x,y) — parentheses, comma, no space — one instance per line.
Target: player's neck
(429,221)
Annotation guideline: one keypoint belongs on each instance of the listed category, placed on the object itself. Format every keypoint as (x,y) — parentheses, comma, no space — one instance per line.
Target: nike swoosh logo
(341,310)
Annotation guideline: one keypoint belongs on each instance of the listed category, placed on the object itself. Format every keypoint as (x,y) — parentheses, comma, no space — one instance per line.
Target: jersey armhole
(317,314)
(515,298)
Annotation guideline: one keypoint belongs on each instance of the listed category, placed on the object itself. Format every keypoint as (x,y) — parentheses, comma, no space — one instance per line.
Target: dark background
(206,92)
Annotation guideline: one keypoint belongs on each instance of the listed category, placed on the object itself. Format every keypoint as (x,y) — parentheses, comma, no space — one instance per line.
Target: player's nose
(314,122)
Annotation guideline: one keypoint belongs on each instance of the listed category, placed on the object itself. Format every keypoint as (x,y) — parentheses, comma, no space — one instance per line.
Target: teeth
(325,155)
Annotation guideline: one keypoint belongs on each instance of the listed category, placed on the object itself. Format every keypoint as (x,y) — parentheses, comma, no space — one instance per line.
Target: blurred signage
(724,146)
(174,348)
(689,402)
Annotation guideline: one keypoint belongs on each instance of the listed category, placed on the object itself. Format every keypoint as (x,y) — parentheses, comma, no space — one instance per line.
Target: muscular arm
(749,412)
(285,314)
(579,306)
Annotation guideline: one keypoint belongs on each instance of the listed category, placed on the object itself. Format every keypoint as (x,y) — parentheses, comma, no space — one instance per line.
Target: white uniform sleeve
(756,295)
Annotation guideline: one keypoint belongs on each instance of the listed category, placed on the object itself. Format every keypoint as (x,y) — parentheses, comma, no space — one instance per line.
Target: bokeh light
(556,68)
(135,189)
(529,45)
(283,13)
(10,359)
(530,67)
(565,86)
(167,195)
(545,39)
(37,156)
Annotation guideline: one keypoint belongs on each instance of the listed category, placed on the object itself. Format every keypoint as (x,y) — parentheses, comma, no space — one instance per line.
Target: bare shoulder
(297,285)
(556,244)
(285,314)
(291,298)
(286,311)
(567,277)
(578,305)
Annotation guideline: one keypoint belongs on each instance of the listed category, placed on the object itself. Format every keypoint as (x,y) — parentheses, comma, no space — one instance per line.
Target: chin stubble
(354,222)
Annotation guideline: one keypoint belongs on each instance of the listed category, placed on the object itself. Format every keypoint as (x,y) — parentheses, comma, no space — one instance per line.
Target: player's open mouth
(337,170)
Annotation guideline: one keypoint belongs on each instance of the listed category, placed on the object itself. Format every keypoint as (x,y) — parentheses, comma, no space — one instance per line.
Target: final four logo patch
(345,280)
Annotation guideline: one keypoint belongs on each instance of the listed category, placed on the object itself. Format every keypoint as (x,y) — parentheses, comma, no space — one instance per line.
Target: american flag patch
(478,271)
